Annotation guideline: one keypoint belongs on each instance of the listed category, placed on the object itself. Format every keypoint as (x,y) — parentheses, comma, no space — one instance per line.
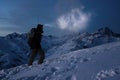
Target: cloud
(76,20)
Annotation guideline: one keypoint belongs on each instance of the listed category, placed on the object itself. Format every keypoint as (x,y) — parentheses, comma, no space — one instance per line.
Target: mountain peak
(105,30)
(16,35)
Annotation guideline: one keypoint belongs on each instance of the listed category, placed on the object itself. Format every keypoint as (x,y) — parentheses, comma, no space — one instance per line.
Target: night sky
(59,16)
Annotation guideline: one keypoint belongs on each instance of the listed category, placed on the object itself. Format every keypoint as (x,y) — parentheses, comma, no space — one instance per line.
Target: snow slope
(97,63)
(103,63)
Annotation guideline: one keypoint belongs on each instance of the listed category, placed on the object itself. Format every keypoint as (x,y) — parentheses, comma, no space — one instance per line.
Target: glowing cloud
(76,20)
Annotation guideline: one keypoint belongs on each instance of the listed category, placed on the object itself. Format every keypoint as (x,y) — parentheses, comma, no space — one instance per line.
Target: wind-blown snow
(97,63)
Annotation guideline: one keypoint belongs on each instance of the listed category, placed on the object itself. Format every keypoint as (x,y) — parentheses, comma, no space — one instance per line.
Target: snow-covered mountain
(14,49)
(78,41)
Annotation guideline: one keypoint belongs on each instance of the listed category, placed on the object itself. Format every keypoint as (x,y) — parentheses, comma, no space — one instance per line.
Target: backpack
(31,35)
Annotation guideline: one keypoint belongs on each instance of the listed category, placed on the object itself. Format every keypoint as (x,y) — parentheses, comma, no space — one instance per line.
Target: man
(34,43)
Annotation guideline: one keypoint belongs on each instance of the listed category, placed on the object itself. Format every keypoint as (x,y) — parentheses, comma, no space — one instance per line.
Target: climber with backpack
(34,40)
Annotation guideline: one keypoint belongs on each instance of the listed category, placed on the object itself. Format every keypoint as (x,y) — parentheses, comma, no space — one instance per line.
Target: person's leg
(32,56)
(42,56)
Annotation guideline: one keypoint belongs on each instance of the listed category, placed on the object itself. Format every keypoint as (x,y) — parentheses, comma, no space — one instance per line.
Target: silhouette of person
(35,45)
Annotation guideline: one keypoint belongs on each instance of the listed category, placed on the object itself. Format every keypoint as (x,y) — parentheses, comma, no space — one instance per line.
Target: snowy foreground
(97,63)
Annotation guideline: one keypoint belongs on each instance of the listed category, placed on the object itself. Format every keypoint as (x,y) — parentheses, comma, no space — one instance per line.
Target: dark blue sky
(58,15)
